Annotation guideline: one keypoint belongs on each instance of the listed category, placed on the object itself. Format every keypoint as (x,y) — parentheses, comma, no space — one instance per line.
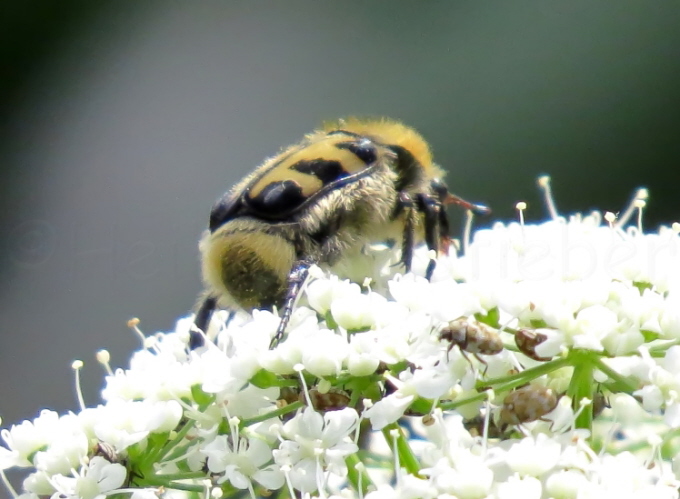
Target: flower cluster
(543,362)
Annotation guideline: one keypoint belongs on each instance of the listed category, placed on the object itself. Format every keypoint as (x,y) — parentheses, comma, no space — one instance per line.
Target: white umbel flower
(240,463)
(94,481)
(582,401)
(313,443)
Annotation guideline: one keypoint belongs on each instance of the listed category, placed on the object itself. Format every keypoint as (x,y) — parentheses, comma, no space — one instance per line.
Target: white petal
(269,477)
(388,410)
(338,424)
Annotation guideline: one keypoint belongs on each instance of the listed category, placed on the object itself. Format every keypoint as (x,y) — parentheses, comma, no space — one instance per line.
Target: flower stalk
(582,389)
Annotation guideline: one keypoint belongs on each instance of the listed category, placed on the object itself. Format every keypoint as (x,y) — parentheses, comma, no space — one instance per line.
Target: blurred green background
(121,123)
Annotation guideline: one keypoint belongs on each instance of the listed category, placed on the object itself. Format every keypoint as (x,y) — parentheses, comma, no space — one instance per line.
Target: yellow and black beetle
(349,184)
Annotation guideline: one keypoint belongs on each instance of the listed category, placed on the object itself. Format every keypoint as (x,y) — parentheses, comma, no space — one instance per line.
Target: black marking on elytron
(282,199)
(362,149)
(254,210)
(224,210)
(325,170)
(409,169)
(277,198)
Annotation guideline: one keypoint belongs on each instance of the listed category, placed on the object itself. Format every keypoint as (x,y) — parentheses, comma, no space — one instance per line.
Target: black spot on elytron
(223,211)
(363,149)
(278,199)
(325,170)
(408,168)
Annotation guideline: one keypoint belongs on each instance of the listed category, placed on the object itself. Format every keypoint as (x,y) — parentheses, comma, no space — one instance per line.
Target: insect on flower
(527,341)
(349,184)
(471,337)
(527,404)
(332,400)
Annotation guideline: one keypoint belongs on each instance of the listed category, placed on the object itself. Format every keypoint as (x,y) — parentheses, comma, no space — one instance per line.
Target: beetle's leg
(406,205)
(201,322)
(296,278)
(444,231)
(431,208)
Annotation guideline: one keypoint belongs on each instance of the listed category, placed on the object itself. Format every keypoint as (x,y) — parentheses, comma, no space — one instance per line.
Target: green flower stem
(447,406)
(346,377)
(670,449)
(156,452)
(373,460)
(624,383)
(154,457)
(670,435)
(155,482)
(228,490)
(407,458)
(506,383)
(287,382)
(272,414)
(661,349)
(178,451)
(165,450)
(353,474)
(180,476)
(582,386)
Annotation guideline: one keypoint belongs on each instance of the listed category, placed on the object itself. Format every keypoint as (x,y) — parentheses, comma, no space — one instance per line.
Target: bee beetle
(349,184)
(527,404)
(472,337)
(527,341)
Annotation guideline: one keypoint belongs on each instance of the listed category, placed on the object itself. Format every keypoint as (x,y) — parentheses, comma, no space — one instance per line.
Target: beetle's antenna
(477,209)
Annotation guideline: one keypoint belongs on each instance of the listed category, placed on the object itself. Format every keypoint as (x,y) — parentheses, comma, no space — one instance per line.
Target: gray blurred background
(121,123)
